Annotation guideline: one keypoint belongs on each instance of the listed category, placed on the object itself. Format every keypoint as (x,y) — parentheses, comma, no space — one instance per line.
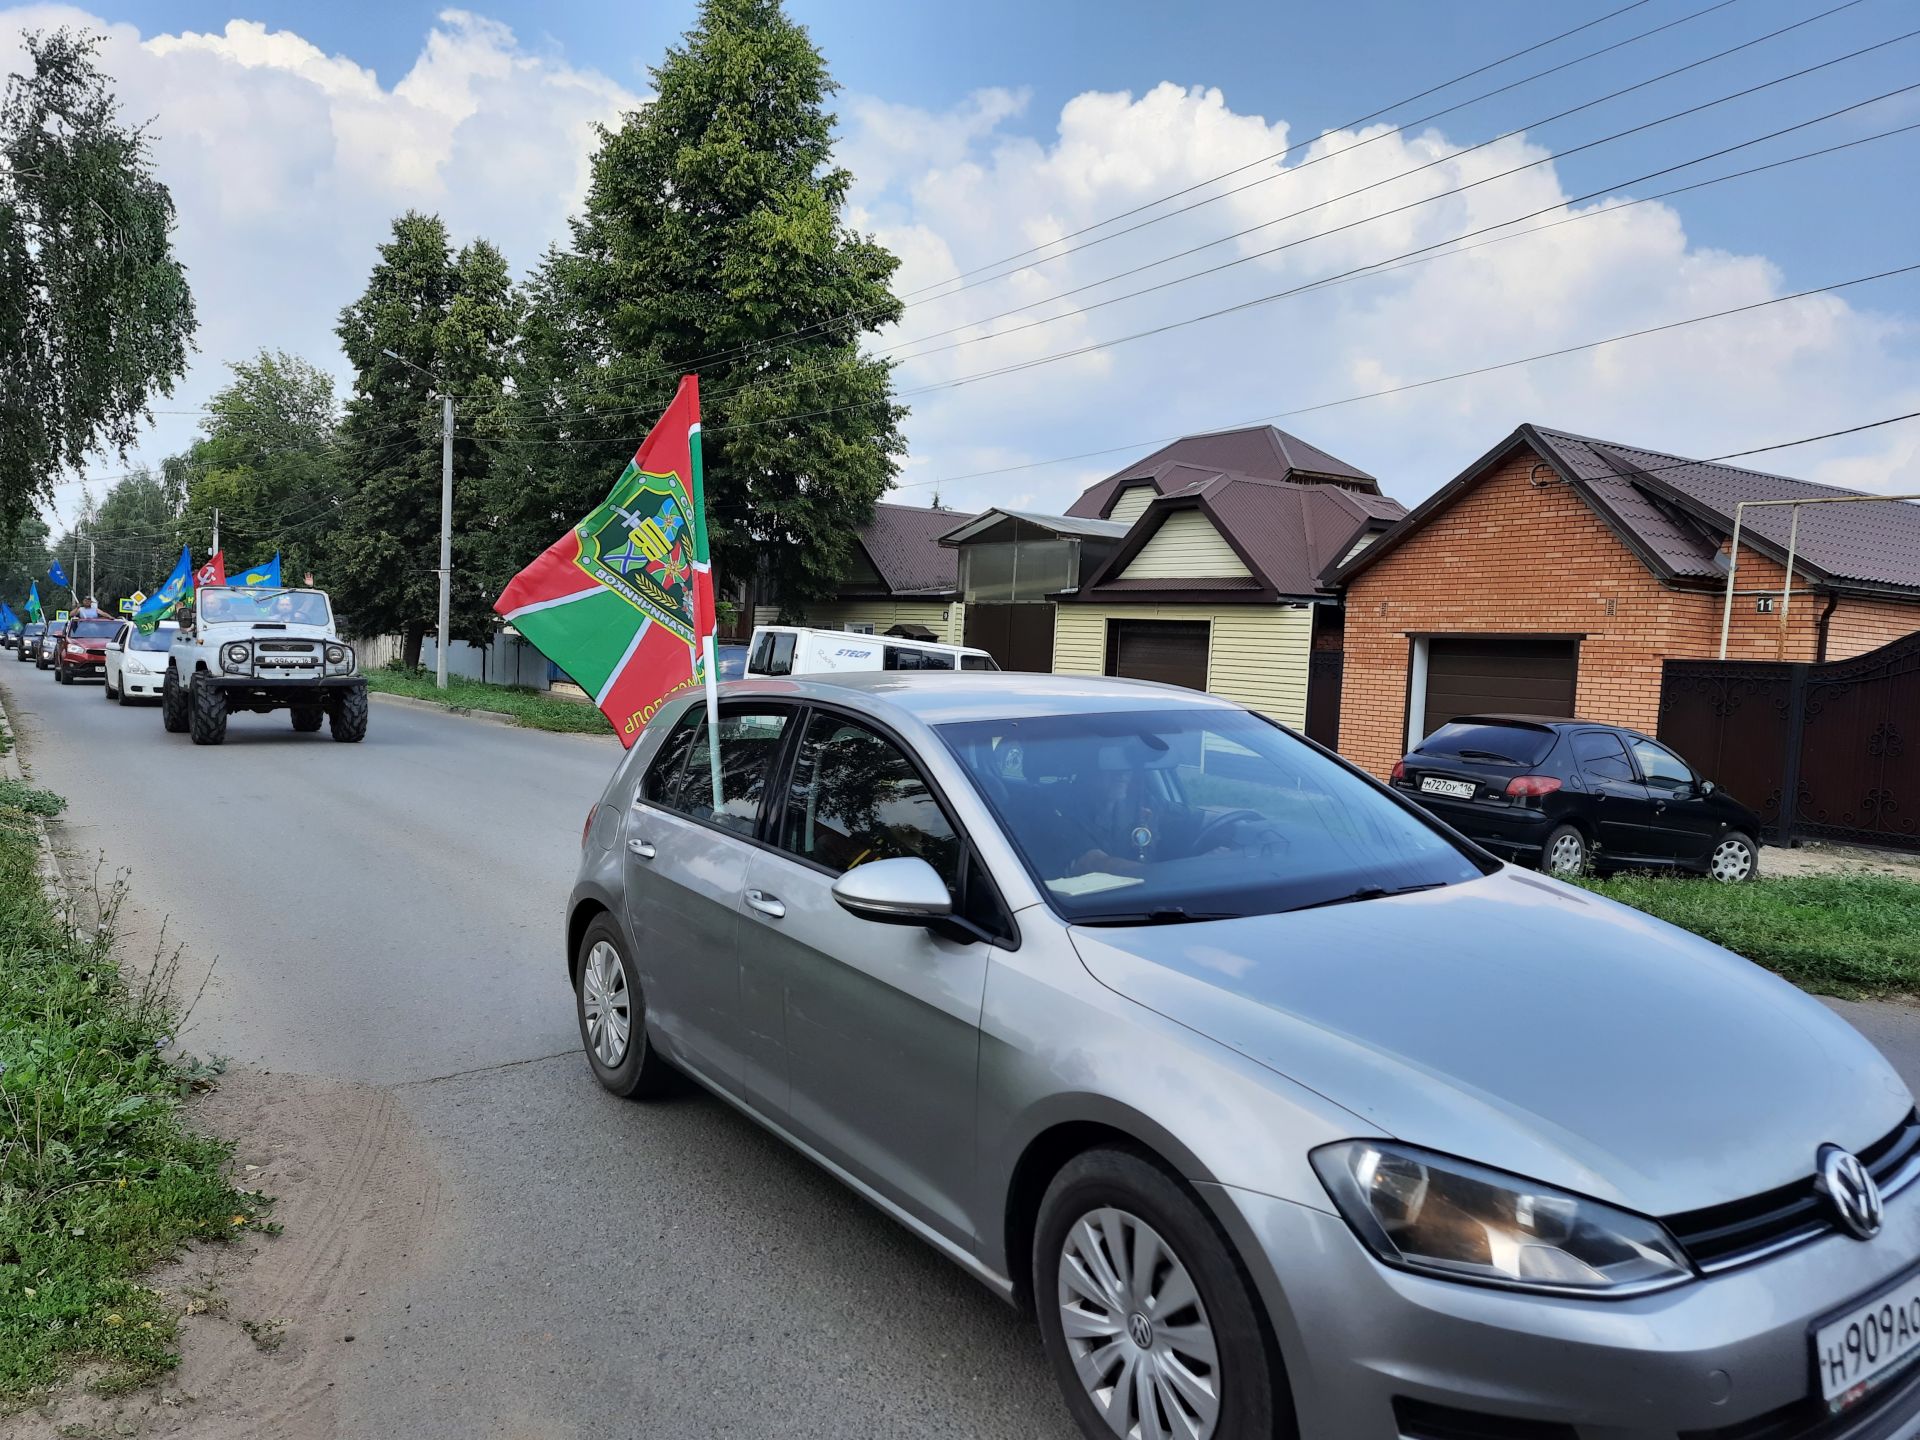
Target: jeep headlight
(336,654)
(1427,1212)
(236,656)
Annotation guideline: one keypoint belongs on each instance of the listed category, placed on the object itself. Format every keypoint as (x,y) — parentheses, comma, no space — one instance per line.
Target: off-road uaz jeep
(261,650)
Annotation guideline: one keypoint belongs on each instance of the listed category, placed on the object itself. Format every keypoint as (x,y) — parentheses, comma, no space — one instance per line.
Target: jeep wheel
(307,718)
(206,711)
(173,703)
(348,714)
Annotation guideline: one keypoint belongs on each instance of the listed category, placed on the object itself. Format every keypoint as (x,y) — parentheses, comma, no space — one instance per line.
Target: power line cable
(784,340)
(1370,219)
(773,343)
(1437,380)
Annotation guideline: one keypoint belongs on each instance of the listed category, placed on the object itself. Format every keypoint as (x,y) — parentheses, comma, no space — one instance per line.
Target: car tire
(173,703)
(307,718)
(612,1012)
(1734,859)
(206,711)
(61,675)
(106,685)
(121,694)
(1110,1193)
(1566,852)
(347,715)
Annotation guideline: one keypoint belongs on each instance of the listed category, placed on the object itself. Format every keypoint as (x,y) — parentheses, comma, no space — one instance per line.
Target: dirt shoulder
(268,1322)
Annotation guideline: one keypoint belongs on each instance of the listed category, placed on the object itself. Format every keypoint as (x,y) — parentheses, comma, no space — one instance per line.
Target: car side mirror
(903,891)
(1704,788)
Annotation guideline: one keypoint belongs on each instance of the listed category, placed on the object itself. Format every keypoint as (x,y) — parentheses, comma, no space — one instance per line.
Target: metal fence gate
(1825,751)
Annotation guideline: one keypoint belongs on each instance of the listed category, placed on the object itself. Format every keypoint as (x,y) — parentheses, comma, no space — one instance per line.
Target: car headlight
(236,656)
(1451,1218)
(336,654)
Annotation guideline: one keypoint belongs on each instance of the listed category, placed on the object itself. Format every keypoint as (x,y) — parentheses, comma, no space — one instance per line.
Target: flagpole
(713,718)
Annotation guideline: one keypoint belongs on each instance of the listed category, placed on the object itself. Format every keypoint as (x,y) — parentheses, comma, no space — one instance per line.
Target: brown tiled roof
(903,542)
(1286,532)
(1259,450)
(1676,513)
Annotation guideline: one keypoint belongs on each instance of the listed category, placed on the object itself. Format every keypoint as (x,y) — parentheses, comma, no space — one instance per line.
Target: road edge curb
(492,717)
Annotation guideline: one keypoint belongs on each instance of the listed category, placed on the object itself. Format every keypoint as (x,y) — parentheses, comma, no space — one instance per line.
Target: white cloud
(287,164)
(1776,374)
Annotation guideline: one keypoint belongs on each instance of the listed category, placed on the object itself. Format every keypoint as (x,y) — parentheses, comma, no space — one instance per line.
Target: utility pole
(446,536)
(216,532)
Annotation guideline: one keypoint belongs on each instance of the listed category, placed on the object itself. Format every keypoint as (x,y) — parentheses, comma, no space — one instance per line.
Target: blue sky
(976,129)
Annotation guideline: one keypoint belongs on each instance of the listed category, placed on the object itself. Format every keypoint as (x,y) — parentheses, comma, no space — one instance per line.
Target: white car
(801,650)
(136,664)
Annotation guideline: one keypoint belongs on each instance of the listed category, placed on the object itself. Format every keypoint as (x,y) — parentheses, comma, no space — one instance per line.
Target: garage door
(1173,652)
(1510,677)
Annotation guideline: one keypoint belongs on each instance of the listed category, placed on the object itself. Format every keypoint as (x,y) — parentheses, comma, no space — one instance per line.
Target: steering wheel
(1212,830)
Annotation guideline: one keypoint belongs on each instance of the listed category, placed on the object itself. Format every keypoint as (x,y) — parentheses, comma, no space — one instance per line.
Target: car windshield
(262,607)
(1489,740)
(1187,814)
(160,639)
(94,629)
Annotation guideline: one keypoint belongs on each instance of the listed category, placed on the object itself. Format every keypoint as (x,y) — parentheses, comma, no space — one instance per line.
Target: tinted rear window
(1477,740)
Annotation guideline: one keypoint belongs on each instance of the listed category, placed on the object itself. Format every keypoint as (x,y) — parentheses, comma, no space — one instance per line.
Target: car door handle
(642,848)
(766,904)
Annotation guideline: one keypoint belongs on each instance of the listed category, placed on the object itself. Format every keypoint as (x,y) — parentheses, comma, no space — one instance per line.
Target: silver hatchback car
(1282,1107)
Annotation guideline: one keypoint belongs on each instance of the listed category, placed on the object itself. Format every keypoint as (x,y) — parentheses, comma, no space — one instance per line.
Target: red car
(82,650)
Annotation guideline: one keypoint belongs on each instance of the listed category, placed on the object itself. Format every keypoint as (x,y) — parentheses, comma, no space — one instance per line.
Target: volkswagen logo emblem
(1141,1330)
(1851,1191)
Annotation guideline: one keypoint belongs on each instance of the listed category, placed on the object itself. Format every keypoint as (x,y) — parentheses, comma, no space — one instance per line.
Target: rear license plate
(1868,1345)
(1458,789)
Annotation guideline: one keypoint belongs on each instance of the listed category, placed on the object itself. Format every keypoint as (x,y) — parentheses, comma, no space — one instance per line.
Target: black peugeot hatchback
(1571,795)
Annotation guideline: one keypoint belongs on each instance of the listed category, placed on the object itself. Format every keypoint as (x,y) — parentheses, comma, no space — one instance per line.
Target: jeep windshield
(234,606)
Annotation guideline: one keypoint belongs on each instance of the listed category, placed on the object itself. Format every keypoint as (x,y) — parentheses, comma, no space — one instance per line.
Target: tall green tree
(24,560)
(451,318)
(714,224)
(95,314)
(268,461)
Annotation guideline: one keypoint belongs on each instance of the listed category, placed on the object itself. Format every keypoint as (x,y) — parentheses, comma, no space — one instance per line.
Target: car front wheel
(1735,858)
(1150,1323)
(613,1017)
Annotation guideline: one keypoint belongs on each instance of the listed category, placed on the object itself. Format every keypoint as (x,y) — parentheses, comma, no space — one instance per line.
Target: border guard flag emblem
(623,602)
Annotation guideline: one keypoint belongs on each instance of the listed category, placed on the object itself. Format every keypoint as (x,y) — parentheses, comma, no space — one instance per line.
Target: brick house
(1556,573)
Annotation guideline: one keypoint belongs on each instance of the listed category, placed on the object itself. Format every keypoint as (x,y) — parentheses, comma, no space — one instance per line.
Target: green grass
(100,1176)
(1852,935)
(527,707)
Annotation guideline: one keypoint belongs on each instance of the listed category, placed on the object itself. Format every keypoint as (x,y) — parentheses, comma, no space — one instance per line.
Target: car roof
(939,697)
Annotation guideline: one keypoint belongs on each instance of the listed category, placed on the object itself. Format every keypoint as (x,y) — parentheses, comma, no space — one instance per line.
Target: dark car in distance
(1574,795)
(49,646)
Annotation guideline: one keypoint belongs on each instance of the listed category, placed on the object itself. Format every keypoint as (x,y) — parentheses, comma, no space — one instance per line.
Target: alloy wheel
(1137,1331)
(1732,861)
(607,1004)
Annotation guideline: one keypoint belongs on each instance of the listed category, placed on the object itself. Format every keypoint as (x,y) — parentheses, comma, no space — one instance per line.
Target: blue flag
(34,612)
(8,620)
(261,575)
(163,602)
(58,576)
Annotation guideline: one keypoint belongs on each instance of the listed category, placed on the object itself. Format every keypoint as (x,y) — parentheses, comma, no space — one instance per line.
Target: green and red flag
(623,602)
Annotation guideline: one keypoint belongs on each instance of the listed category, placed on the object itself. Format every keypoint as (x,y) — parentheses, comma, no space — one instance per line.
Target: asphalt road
(389,913)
